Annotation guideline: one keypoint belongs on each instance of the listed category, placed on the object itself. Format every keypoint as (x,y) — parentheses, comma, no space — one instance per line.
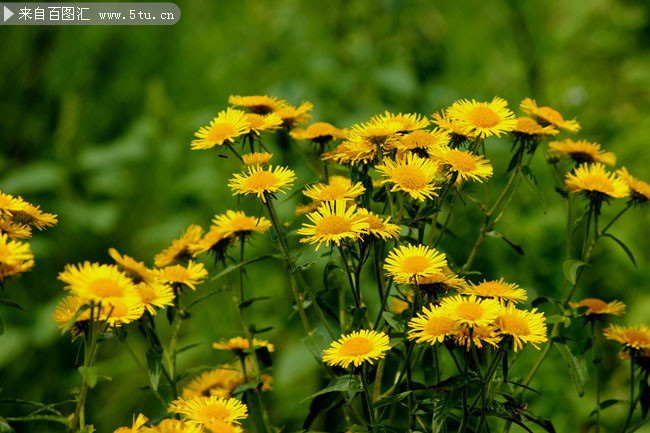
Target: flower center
(461,161)
(483,117)
(374,222)
(117,309)
(598,183)
(333,225)
(215,412)
(261,180)
(470,310)
(220,132)
(255,121)
(415,265)
(491,288)
(177,273)
(439,326)
(409,177)
(147,294)
(356,346)
(105,288)
(513,325)
(418,140)
(333,192)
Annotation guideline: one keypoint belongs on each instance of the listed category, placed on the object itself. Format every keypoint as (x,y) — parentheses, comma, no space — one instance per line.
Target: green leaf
(608,403)
(236,266)
(315,343)
(357,318)
(250,301)
(570,268)
(577,367)
(39,417)
(347,383)
(645,398)
(89,374)
(10,303)
(622,245)
(245,387)
(544,423)
(5,427)
(154,365)
(391,399)
(531,182)
(517,248)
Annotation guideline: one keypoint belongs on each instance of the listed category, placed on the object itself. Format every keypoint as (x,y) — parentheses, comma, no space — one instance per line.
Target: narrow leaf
(577,368)
(622,245)
(570,268)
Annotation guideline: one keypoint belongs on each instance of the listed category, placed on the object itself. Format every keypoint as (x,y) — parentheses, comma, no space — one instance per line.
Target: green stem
(346,265)
(232,149)
(366,392)
(633,402)
(594,341)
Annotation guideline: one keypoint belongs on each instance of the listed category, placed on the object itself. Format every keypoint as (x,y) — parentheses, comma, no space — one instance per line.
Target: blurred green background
(95,125)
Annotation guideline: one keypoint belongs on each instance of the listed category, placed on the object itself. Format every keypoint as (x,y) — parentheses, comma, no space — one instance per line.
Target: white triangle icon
(8,13)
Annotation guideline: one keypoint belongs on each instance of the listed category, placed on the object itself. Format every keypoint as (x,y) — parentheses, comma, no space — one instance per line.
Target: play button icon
(8,13)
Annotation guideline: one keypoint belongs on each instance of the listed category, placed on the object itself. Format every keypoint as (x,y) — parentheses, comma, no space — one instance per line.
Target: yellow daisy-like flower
(66,310)
(548,116)
(338,188)
(471,310)
(227,126)
(14,231)
(356,348)
(458,132)
(259,123)
(377,226)
(408,122)
(356,150)
(632,337)
(171,425)
(237,344)
(257,158)
(135,269)
(201,410)
(410,263)
(181,248)
(333,222)
(422,143)
(377,133)
(593,179)
(190,275)
(527,127)
(15,257)
(291,115)
(138,422)
(99,283)
(432,325)
(582,151)
(497,289)
(319,132)
(120,311)
(155,296)
(22,213)
(480,334)
(214,240)
(260,104)
(220,382)
(525,327)
(238,224)
(598,306)
(466,164)
(261,181)
(484,118)
(221,427)
(639,189)
(441,282)
(413,175)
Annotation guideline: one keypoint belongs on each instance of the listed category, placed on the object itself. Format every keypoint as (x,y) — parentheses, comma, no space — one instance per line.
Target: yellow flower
(15,257)
(221,427)
(201,410)
(120,311)
(497,289)
(483,118)
(99,283)
(598,307)
(13,230)
(291,115)
(263,123)
(319,132)
(22,213)
(378,133)
(155,295)
(136,427)
(408,122)
(356,150)
(214,240)
(333,222)
(441,282)
(260,104)
(432,325)
(466,164)
(593,179)
(422,143)
(548,116)
(338,188)
(470,310)
(227,126)
(458,132)
(171,425)
(135,269)
(377,226)
(413,175)
(220,382)
(527,127)
(261,181)
(639,189)
(189,276)
(480,334)
(525,327)
(257,158)
(181,248)
(237,344)
(582,151)
(356,348)
(632,337)
(66,310)
(237,224)
(410,263)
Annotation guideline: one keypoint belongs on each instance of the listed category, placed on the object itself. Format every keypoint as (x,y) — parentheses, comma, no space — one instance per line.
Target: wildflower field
(414,250)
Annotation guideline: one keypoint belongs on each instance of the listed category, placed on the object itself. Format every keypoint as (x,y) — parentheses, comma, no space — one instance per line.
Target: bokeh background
(95,125)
